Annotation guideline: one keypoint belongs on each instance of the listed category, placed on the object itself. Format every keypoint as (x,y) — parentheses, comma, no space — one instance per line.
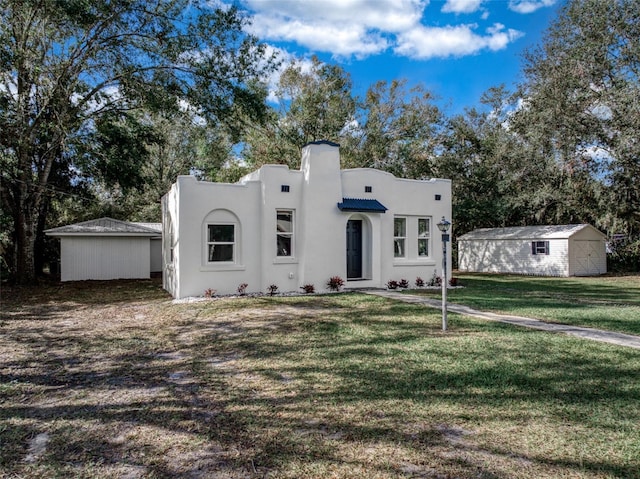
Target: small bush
(403,283)
(242,289)
(419,282)
(308,288)
(453,281)
(272,289)
(335,283)
(435,280)
(209,293)
(392,284)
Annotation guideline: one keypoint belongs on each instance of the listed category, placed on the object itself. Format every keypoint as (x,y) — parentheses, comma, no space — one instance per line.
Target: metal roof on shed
(527,232)
(107,226)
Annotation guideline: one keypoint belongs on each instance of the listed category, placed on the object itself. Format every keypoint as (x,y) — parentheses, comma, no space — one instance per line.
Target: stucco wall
(410,199)
(104,257)
(319,226)
(195,202)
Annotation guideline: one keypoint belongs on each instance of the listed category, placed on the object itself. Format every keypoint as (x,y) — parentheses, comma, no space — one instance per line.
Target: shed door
(589,257)
(354,249)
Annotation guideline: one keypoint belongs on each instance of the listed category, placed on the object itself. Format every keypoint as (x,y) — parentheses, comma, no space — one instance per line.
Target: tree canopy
(103,105)
(73,74)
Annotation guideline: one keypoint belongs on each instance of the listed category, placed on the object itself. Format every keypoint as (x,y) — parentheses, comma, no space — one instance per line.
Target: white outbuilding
(105,248)
(555,250)
(293,228)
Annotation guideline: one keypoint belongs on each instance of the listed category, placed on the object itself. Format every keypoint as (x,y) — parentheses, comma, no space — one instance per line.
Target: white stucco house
(105,248)
(289,228)
(556,250)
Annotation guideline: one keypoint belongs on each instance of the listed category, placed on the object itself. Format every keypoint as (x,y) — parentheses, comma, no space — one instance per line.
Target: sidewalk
(619,339)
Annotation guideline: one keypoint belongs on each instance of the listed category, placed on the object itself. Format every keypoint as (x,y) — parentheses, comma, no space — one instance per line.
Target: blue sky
(456,48)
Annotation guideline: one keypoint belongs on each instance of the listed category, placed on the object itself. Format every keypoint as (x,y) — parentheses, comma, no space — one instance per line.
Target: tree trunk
(24,202)
(24,227)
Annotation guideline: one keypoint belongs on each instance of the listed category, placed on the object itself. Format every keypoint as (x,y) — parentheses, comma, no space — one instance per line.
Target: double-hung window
(399,237)
(424,229)
(284,233)
(221,243)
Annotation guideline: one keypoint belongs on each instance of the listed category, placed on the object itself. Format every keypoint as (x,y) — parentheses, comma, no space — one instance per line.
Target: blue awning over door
(361,205)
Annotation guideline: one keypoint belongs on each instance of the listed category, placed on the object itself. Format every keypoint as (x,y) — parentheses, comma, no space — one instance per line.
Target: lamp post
(443,226)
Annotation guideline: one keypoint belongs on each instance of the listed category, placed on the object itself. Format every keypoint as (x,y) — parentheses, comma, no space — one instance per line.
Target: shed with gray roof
(551,250)
(106,248)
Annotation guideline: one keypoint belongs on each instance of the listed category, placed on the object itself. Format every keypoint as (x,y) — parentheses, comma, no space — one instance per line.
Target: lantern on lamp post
(443,226)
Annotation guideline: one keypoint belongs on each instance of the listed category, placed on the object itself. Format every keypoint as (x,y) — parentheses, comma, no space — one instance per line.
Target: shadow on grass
(611,303)
(308,383)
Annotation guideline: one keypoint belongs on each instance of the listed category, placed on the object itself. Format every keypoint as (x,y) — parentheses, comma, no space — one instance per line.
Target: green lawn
(608,302)
(106,381)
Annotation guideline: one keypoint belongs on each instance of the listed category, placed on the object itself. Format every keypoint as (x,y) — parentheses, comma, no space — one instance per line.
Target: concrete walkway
(620,339)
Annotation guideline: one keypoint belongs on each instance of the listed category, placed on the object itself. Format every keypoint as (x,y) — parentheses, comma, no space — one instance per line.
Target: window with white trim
(424,234)
(399,237)
(540,247)
(284,233)
(221,243)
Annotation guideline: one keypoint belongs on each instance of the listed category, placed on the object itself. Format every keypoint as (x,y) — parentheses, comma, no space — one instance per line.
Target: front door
(354,249)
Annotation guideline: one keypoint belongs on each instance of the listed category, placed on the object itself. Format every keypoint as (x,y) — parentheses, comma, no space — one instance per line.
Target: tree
(504,178)
(68,67)
(398,130)
(581,88)
(136,160)
(391,128)
(311,104)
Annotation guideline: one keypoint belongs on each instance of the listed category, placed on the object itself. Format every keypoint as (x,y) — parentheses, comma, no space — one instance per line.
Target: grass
(109,380)
(611,303)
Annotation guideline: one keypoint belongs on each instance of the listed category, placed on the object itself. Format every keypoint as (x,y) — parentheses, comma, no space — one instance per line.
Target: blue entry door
(354,249)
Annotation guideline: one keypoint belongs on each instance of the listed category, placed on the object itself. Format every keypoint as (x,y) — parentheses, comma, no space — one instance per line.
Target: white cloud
(362,28)
(388,15)
(430,42)
(529,6)
(320,36)
(345,28)
(461,6)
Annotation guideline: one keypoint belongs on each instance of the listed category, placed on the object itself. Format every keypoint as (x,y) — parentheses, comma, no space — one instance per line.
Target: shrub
(403,283)
(435,280)
(308,288)
(242,289)
(453,281)
(419,282)
(272,289)
(335,283)
(392,284)
(209,293)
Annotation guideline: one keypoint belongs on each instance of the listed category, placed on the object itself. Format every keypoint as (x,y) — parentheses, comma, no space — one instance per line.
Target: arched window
(221,231)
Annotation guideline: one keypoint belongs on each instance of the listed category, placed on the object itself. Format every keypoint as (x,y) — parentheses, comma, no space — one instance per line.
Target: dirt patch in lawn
(112,379)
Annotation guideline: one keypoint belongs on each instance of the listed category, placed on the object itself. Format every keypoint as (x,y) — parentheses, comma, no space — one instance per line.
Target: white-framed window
(399,237)
(285,233)
(424,235)
(221,243)
(539,247)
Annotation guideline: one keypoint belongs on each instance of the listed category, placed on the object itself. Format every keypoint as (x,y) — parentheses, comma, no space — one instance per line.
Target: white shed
(556,250)
(109,249)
